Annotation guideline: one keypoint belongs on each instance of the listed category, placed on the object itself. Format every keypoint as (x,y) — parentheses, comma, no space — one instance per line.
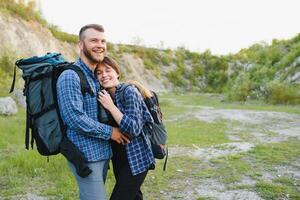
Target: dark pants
(127,186)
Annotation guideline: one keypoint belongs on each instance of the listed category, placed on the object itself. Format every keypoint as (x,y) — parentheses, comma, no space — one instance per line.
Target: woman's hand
(105,99)
(107,102)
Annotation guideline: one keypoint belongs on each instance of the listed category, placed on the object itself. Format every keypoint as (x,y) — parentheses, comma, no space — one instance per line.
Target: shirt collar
(119,85)
(80,63)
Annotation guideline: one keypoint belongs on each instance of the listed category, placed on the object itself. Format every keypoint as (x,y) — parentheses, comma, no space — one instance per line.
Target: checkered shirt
(136,115)
(79,113)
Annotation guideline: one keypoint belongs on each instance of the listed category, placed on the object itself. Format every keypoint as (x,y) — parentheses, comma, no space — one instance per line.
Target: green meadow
(24,172)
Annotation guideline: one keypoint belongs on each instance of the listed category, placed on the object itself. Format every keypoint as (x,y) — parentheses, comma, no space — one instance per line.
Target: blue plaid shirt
(135,115)
(79,113)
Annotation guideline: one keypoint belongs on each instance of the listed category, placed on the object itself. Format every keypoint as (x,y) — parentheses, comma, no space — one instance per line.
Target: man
(79,113)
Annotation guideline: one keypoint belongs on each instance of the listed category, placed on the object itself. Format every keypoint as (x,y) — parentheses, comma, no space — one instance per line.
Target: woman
(131,161)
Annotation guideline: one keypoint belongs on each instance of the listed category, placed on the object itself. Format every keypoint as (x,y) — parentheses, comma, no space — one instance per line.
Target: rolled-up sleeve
(132,120)
(70,102)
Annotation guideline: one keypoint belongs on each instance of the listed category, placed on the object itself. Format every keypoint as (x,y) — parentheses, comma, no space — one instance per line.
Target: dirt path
(260,127)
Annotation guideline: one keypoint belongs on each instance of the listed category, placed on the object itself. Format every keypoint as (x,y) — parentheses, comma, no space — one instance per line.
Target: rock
(8,106)
(21,100)
(294,78)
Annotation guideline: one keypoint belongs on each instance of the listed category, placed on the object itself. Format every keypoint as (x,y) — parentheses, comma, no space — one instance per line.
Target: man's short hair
(88,26)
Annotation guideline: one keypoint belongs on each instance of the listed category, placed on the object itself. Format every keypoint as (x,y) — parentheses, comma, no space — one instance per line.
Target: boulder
(18,96)
(8,106)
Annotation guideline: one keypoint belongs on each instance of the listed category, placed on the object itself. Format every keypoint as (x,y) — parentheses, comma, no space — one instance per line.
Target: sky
(222,26)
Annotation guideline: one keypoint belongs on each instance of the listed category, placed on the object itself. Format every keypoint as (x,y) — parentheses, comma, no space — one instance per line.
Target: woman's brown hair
(112,63)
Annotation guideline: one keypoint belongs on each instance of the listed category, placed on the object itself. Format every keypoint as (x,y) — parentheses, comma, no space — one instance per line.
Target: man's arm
(119,137)
(70,102)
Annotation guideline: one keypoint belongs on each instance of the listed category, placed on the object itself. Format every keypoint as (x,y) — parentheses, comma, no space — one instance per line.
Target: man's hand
(118,136)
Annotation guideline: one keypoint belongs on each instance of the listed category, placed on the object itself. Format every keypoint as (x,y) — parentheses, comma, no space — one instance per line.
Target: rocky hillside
(269,72)
(28,38)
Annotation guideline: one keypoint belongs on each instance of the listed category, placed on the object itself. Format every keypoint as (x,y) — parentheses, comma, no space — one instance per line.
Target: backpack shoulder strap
(85,87)
(155,97)
(14,80)
(159,115)
(122,92)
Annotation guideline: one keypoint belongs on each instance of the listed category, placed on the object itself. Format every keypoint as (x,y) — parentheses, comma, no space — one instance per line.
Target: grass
(276,153)
(269,190)
(192,131)
(158,181)
(23,172)
(7,64)
(232,169)
(217,101)
(13,127)
(226,170)
(31,170)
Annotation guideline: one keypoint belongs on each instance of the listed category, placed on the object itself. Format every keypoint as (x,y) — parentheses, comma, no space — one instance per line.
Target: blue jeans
(92,186)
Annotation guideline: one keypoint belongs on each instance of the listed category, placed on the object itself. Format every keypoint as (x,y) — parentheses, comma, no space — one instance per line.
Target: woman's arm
(132,122)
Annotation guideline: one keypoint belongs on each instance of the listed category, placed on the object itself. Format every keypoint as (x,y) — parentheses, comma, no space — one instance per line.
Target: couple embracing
(122,138)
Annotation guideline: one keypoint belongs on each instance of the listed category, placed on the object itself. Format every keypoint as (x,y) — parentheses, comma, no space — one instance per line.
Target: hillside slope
(29,38)
(269,72)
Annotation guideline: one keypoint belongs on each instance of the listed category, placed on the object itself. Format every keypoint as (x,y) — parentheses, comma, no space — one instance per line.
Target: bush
(175,77)
(216,80)
(282,93)
(123,49)
(179,76)
(62,36)
(240,88)
(27,12)
(194,57)
(149,64)
(7,61)
(7,64)
(197,70)
(166,57)
(260,75)
(294,53)
(4,80)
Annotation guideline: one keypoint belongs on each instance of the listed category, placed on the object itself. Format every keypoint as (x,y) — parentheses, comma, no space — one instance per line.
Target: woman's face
(107,76)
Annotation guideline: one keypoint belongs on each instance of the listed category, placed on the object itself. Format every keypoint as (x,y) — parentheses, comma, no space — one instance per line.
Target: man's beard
(92,58)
